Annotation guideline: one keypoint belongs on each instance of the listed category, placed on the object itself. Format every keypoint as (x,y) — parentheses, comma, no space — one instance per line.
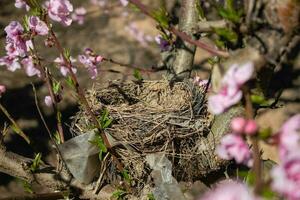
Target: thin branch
(83,99)
(256,152)
(180,34)
(45,75)
(130,66)
(16,127)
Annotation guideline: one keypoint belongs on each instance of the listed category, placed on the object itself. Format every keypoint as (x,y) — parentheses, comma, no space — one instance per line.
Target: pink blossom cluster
(230,92)
(59,11)
(18,45)
(286,176)
(62,65)
(230,190)
(234,146)
(78,15)
(90,60)
(139,35)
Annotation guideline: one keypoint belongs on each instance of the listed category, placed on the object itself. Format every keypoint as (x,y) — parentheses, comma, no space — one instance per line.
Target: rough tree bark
(185,52)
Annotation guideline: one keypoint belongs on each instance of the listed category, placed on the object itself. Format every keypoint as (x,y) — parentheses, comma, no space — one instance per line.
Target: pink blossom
(233,146)
(163,44)
(229,190)
(14,30)
(124,2)
(2,89)
(201,82)
(289,136)
(59,10)
(38,26)
(16,45)
(48,101)
(22,4)
(79,15)
(64,70)
(90,60)
(230,92)
(286,177)
(29,67)
(11,63)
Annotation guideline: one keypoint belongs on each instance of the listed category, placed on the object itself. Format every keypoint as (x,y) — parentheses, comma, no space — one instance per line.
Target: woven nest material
(153,117)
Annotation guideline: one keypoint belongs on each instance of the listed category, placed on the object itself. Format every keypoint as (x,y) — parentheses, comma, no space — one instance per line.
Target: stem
(255,145)
(17,128)
(46,78)
(84,101)
(180,34)
(129,66)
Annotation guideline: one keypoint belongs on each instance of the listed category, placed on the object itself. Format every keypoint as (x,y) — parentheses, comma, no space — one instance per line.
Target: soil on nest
(152,117)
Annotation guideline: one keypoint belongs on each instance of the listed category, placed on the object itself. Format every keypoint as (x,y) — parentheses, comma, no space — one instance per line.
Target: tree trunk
(185,52)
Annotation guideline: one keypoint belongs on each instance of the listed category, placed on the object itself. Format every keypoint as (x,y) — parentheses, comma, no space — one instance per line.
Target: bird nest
(154,117)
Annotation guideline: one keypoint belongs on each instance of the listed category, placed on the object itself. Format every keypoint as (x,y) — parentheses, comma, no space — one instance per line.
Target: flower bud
(250,127)
(48,101)
(2,89)
(238,124)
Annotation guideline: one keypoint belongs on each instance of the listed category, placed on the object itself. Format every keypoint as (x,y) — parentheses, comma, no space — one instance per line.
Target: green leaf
(126,176)
(56,87)
(213,60)
(105,121)
(265,133)
(150,196)
(227,35)
(17,130)
(67,54)
(36,162)
(119,194)
(25,23)
(100,144)
(102,147)
(100,155)
(247,175)
(137,75)
(27,187)
(70,82)
(229,12)
(259,100)
(200,10)
(250,178)
(230,5)
(267,193)
(57,137)
(220,43)
(161,16)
